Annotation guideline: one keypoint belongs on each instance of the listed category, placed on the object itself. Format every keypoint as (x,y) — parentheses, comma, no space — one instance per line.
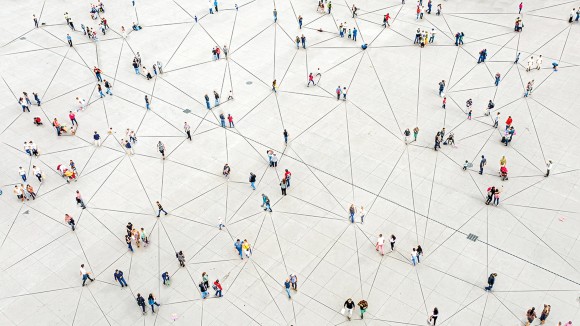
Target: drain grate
(472,237)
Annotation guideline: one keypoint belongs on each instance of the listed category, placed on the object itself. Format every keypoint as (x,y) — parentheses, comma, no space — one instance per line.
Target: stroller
(503,173)
(37,121)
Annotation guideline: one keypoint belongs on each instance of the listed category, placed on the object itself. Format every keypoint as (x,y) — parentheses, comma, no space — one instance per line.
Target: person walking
(161,149)
(203,289)
(216,96)
(85,275)
(69,40)
(285,134)
(521,5)
(252,180)
(79,200)
(247,248)
(406,133)
(70,221)
(118,275)
(415,133)
(287,176)
(287,287)
(497,79)
(414,256)
(363,306)
(152,302)
(310,80)
(530,316)
(238,246)
(283,186)
(393,239)
(549,165)
(141,302)
(166,278)
(482,163)
(108,87)
(380,244)
(348,308)
(433,317)
(147,104)
(517,58)
(490,281)
(441,87)
(187,129)
(266,203)
(22,173)
(496,196)
(160,209)
(338,92)
(37,173)
(181,258)
(231,121)
(222,120)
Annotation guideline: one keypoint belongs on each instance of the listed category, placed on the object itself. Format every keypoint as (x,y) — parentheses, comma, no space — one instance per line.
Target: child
(469,115)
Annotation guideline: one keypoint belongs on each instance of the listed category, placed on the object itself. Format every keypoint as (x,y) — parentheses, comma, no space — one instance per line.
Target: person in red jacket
(508,122)
(310,80)
(218,288)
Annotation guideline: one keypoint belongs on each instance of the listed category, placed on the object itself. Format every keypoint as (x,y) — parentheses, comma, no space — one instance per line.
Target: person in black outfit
(349,305)
(490,281)
(141,302)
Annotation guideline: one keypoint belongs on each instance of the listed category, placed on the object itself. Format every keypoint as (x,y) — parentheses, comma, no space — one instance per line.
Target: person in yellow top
(247,249)
(503,161)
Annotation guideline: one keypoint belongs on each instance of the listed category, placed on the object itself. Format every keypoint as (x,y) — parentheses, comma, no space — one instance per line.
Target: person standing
(407,133)
(441,87)
(482,163)
(530,316)
(238,246)
(285,134)
(206,97)
(230,120)
(221,223)
(310,80)
(415,133)
(218,288)
(548,167)
(490,281)
(69,40)
(496,121)
(160,209)
(275,13)
(363,306)
(287,176)
(287,287)
(414,256)
(351,212)
(393,239)
(108,87)
(252,180)
(161,148)
(520,7)
(444,102)
(294,282)
(147,105)
(187,129)
(419,253)
(166,278)
(545,314)
(141,302)
(300,22)
(152,302)
(85,275)
(216,95)
(35,21)
(433,317)
(283,186)
(303,41)
(118,275)
(517,58)
(181,258)
(338,92)
(222,120)
(79,200)
(203,289)
(361,213)
(497,79)
(380,244)
(348,307)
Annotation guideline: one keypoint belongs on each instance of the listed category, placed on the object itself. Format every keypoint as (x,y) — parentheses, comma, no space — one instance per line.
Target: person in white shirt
(33,148)
(27,149)
(539,62)
(380,244)
(530,62)
(22,173)
(85,274)
(37,173)
(362,215)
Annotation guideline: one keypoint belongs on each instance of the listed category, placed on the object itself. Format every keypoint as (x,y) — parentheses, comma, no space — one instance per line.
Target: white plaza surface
(339,153)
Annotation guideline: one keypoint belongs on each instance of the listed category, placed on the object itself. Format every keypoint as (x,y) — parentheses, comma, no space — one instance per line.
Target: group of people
(135,236)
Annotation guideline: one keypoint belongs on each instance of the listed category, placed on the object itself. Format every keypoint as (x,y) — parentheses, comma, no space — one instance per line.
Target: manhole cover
(187,111)
(472,237)
(249,82)
(23,38)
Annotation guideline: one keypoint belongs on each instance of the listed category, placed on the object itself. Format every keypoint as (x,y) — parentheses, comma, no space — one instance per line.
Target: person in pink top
(73,118)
